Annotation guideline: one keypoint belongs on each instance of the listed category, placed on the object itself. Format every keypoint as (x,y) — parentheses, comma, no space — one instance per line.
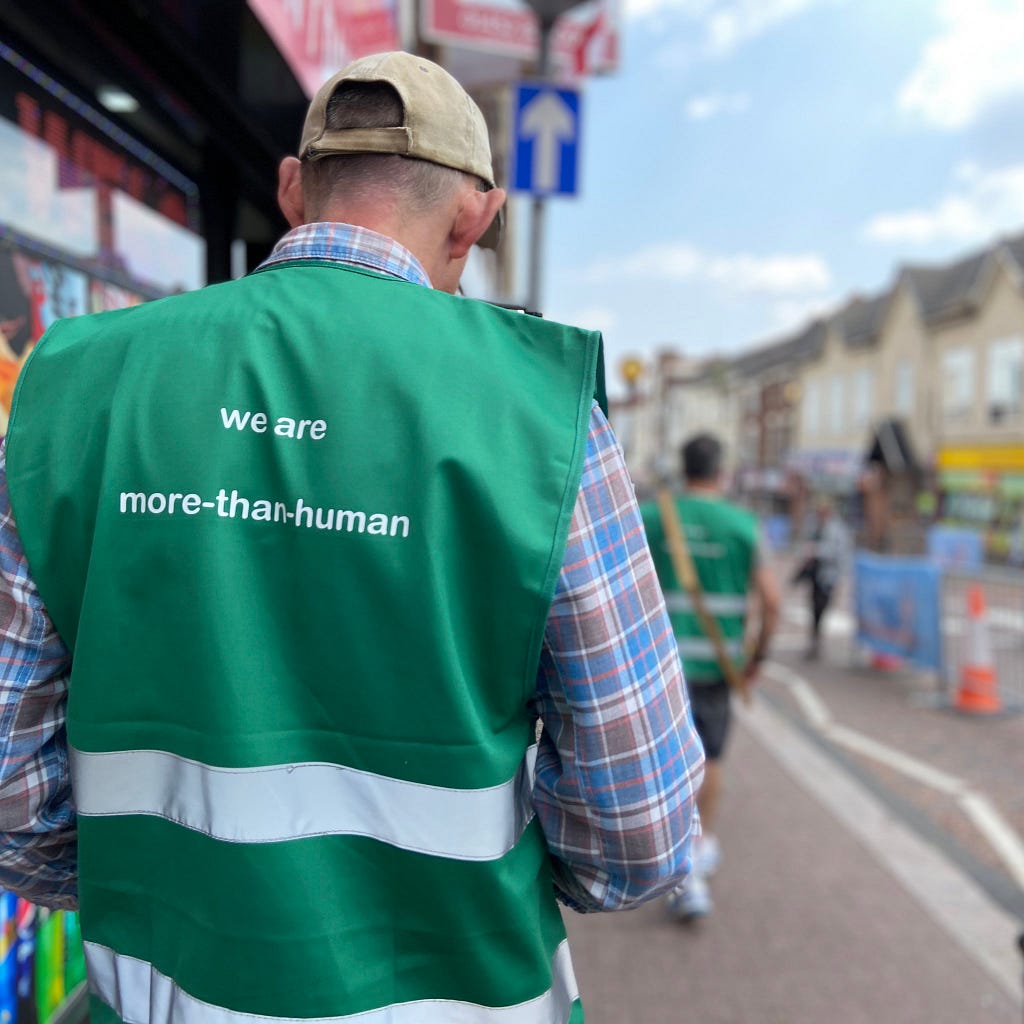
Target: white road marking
(841,623)
(1006,618)
(897,760)
(985,932)
(1000,835)
(836,622)
(813,707)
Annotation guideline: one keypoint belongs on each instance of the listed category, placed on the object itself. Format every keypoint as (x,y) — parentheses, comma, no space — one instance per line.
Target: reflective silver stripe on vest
(699,649)
(295,801)
(716,604)
(139,994)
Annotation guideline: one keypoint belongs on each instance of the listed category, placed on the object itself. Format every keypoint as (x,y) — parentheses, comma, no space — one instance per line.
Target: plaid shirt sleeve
(38,851)
(619,762)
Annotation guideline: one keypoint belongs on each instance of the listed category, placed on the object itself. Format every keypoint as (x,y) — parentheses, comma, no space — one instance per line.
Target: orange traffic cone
(979,692)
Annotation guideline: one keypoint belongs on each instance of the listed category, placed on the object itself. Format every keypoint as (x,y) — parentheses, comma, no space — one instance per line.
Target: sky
(755,162)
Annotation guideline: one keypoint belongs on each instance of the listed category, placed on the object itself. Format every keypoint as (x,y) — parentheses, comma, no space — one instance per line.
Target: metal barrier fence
(1003,589)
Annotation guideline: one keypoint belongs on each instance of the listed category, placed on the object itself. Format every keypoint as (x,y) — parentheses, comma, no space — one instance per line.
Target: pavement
(873,865)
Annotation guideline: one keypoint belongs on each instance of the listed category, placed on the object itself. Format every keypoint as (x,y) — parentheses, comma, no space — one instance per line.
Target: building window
(836,420)
(749,448)
(812,407)
(957,383)
(1005,380)
(863,382)
(903,389)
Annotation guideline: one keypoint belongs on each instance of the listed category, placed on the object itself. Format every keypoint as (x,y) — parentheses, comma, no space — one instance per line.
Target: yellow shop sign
(1002,458)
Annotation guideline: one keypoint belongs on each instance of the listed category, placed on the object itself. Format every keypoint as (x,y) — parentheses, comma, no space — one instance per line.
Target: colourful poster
(74,953)
(8,957)
(26,962)
(16,307)
(33,293)
(104,296)
(317,37)
(49,964)
(42,961)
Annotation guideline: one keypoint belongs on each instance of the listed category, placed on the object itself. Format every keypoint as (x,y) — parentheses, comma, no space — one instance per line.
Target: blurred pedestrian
(724,545)
(311,552)
(821,565)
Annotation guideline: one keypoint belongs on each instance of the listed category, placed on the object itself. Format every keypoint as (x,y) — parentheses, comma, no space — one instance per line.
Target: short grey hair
(358,177)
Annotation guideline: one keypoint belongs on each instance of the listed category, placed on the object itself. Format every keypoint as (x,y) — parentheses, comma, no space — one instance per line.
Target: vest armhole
(592,370)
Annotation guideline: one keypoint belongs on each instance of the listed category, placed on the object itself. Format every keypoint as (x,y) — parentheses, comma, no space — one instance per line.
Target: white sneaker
(707,856)
(690,900)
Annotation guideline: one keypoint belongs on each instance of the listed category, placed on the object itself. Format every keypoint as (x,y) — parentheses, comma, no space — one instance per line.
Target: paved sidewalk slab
(810,927)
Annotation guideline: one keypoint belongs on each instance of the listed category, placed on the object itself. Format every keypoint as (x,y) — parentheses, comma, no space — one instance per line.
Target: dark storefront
(140,143)
(139,146)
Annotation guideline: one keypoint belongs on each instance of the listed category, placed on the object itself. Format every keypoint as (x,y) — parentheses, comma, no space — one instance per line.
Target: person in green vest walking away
(312,554)
(724,545)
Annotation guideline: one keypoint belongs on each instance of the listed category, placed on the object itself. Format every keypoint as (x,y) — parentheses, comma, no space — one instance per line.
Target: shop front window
(90,219)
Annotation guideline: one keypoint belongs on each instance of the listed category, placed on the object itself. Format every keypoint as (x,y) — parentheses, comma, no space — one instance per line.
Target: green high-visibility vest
(722,539)
(301,534)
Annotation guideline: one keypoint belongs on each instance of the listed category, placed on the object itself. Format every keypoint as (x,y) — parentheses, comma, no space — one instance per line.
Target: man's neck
(421,235)
(704,488)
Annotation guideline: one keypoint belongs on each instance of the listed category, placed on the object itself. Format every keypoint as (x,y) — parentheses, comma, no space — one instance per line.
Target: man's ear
(289,191)
(476,212)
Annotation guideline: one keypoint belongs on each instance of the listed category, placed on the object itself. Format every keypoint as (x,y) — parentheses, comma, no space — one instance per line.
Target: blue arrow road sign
(545,146)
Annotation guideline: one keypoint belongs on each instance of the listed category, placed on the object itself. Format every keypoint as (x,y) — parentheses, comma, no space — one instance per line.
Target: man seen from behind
(299,562)
(723,542)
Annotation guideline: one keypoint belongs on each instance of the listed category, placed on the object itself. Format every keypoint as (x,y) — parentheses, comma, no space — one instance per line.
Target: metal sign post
(547,12)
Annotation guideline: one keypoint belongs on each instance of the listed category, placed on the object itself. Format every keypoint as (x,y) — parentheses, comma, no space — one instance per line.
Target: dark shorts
(712,714)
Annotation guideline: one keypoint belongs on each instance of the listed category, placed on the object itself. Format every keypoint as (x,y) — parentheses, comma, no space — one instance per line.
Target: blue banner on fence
(956,547)
(776,531)
(898,605)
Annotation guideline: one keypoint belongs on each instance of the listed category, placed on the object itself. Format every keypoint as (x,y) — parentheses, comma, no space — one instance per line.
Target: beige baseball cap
(442,123)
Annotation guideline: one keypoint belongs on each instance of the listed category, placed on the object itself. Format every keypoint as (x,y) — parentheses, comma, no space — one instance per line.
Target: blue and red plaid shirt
(619,763)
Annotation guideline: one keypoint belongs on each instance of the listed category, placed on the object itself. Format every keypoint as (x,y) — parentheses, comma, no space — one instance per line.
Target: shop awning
(832,470)
(890,447)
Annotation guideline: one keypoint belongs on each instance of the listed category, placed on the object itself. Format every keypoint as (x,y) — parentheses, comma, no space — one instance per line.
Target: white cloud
(974,61)
(703,108)
(790,314)
(980,204)
(717,28)
(686,8)
(593,318)
(780,274)
(734,23)
(774,275)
